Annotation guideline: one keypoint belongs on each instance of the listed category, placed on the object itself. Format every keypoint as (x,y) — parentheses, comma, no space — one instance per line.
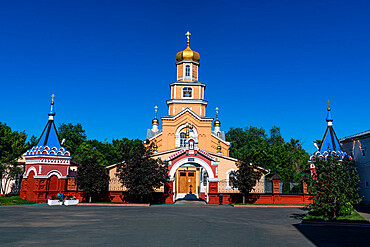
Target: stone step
(192,202)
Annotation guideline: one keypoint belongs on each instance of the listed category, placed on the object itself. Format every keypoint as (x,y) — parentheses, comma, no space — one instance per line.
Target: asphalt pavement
(167,225)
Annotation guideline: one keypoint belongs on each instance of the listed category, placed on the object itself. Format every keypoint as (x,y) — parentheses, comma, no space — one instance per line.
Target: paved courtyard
(41,225)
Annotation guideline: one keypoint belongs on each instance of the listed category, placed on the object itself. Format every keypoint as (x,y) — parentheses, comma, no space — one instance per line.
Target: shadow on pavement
(335,236)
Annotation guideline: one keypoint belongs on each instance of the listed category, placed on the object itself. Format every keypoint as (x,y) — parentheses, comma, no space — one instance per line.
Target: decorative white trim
(184,76)
(218,138)
(155,136)
(174,93)
(32,168)
(178,131)
(54,172)
(187,110)
(228,179)
(196,161)
(182,92)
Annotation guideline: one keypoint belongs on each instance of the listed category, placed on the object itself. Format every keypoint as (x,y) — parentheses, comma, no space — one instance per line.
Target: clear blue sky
(109,63)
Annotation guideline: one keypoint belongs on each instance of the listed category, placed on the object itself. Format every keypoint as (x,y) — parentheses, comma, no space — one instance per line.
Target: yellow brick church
(197,154)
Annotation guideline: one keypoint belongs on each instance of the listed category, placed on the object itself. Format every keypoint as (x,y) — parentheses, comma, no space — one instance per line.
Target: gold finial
(187,134)
(155,147)
(188,37)
(219,147)
(52,99)
(155,109)
(217,113)
(328,106)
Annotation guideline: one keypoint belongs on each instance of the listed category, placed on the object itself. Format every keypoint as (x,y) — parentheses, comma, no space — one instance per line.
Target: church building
(48,166)
(191,143)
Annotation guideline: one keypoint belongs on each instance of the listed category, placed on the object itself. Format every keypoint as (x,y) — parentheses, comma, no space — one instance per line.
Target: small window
(191,174)
(363,151)
(231,176)
(187,70)
(182,139)
(205,178)
(187,92)
(183,174)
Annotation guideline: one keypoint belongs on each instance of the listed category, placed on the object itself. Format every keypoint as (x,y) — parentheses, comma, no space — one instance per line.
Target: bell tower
(187,91)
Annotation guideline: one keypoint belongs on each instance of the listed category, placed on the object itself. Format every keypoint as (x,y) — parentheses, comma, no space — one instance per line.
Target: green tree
(73,136)
(140,173)
(246,177)
(12,146)
(333,187)
(288,159)
(92,178)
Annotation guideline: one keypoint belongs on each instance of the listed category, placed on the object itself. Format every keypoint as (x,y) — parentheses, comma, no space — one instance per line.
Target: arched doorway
(53,184)
(188,177)
(191,174)
(30,195)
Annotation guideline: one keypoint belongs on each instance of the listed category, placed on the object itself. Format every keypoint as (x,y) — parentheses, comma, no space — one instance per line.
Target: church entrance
(187,182)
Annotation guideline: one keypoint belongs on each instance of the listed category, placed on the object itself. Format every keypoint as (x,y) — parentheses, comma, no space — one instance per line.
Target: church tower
(187,91)
(187,111)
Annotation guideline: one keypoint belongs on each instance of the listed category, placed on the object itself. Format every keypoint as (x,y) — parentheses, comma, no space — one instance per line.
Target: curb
(340,224)
(113,204)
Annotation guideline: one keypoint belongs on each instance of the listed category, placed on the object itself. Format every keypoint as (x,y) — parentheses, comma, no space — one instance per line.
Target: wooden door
(187,182)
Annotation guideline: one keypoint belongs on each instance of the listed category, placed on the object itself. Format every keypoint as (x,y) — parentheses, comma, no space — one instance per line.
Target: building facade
(47,166)
(197,154)
(356,145)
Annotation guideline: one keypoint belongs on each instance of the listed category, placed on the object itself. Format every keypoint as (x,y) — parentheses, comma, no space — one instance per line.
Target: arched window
(187,70)
(187,92)
(182,139)
(229,175)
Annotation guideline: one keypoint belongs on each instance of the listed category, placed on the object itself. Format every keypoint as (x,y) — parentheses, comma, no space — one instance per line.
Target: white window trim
(184,72)
(228,179)
(178,131)
(192,93)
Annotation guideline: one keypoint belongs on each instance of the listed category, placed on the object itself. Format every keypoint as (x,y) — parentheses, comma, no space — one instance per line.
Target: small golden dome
(155,121)
(188,54)
(217,123)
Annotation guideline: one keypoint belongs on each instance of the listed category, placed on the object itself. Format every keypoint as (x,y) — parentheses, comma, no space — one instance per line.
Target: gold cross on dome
(328,104)
(188,35)
(52,97)
(216,109)
(155,108)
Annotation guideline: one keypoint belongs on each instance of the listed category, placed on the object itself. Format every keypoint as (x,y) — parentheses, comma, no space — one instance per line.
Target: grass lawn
(13,200)
(353,217)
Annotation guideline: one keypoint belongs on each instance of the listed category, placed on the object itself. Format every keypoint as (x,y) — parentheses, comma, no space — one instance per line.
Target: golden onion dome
(155,121)
(188,54)
(217,123)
